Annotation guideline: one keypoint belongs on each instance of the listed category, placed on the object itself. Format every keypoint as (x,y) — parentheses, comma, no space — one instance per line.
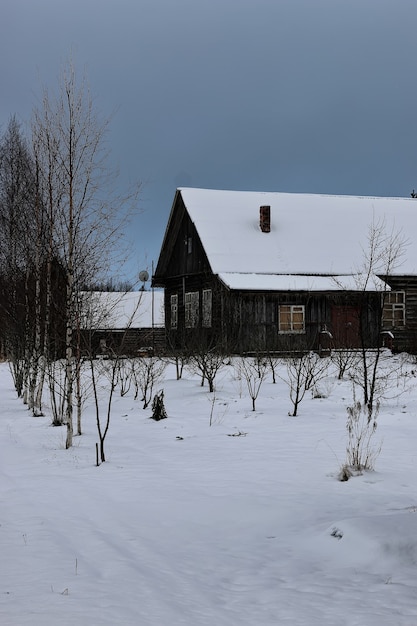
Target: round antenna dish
(143,276)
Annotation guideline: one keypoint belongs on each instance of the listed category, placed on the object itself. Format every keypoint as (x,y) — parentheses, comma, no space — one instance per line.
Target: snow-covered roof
(114,310)
(310,235)
(292,282)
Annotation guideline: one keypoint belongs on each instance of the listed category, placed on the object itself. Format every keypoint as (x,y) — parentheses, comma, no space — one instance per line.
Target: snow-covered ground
(187,525)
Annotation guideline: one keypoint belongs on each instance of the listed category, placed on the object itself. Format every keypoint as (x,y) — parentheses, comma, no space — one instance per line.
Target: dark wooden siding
(131,342)
(188,339)
(188,256)
(244,321)
(405,338)
(184,254)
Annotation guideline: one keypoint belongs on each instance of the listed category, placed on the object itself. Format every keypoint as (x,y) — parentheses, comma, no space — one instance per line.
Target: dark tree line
(26,264)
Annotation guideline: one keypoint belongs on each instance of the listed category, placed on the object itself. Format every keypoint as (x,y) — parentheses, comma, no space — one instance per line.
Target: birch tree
(383,254)
(17,202)
(87,217)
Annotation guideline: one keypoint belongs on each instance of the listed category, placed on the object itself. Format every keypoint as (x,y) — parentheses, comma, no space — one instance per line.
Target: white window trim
(389,308)
(294,308)
(191,307)
(207,303)
(174,311)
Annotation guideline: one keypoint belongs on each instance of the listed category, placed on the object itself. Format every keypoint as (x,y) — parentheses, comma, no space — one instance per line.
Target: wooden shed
(129,323)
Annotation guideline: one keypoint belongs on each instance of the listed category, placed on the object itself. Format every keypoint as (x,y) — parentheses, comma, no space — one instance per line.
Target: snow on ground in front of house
(187,525)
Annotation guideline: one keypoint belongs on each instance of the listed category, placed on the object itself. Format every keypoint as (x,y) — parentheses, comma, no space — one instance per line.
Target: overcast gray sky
(278,95)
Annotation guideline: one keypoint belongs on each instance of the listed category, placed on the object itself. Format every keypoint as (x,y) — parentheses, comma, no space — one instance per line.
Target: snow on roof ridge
(312,274)
(295,193)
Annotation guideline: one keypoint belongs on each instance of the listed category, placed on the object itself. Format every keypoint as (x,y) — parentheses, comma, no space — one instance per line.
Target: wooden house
(249,271)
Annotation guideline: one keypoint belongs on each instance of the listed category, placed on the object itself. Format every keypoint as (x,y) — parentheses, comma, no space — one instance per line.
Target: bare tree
(253,370)
(303,371)
(108,370)
(207,362)
(273,360)
(179,358)
(87,217)
(106,373)
(22,222)
(46,152)
(381,257)
(374,372)
(37,362)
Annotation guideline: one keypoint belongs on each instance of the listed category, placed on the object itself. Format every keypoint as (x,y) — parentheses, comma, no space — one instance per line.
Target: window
(191,309)
(393,311)
(207,307)
(291,318)
(174,311)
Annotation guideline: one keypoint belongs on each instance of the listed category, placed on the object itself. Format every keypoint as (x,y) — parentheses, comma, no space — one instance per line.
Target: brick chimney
(265,219)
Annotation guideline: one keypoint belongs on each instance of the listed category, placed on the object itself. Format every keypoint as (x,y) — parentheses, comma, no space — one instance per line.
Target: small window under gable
(174,310)
(393,310)
(207,308)
(291,318)
(191,309)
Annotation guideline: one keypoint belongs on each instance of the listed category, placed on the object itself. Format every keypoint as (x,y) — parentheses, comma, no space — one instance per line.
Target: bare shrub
(146,372)
(323,388)
(124,376)
(382,373)
(345,360)
(361,452)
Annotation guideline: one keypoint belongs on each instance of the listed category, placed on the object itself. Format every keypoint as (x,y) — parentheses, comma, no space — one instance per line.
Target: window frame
(191,309)
(174,311)
(390,305)
(291,311)
(207,308)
